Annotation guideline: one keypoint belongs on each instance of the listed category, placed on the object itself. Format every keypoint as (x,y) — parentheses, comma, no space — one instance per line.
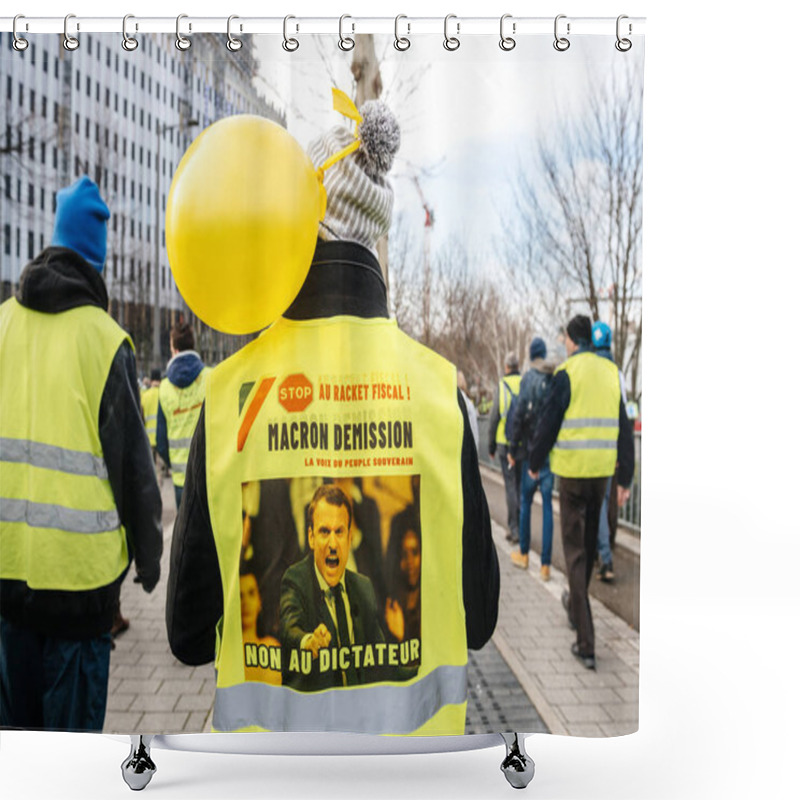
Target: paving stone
(196,722)
(132,671)
(122,722)
(619,728)
(589,730)
(598,696)
(119,702)
(135,686)
(155,702)
(194,702)
(585,713)
(622,712)
(163,723)
(188,686)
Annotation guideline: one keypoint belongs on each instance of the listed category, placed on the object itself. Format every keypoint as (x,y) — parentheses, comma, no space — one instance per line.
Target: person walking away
(342,301)
(507,390)
(180,398)
(606,534)
(584,423)
(78,493)
(533,389)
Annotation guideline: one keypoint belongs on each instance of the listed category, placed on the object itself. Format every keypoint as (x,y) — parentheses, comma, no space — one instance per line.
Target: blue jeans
(52,684)
(604,531)
(527,489)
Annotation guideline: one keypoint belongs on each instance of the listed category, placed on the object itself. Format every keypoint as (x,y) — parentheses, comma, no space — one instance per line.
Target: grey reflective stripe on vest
(69,520)
(365,709)
(150,417)
(178,466)
(179,444)
(587,444)
(48,456)
(591,422)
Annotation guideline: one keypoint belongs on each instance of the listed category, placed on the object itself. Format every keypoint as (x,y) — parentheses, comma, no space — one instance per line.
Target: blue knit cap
(601,336)
(538,349)
(80,223)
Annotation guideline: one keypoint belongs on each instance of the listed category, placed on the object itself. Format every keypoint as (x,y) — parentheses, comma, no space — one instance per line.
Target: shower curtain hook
(70,42)
(19,44)
(346,42)
(561,43)
(401,43)
(507,42)
(129,43)
(289,44)
(623,45)
(233,44)
(451,43)
(181,41)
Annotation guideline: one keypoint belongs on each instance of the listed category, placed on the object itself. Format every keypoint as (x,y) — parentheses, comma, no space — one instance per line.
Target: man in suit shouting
(329,629)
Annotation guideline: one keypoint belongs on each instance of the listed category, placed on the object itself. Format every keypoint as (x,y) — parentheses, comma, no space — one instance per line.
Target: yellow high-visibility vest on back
(59,526)
(586,446)
(181,409)
(150,412)
(305,403)
(508,389)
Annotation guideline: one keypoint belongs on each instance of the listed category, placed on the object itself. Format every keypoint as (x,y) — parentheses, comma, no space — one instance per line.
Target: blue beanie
(80,223)
(538,349)
(601,336)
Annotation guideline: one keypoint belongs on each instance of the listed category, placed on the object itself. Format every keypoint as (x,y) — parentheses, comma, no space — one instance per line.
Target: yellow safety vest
(508,389)
(181,409)
(357,398)
(586,446)
(150,412)
(59,526)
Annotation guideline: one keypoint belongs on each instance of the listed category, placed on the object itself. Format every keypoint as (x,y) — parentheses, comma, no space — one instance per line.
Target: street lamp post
(160,130)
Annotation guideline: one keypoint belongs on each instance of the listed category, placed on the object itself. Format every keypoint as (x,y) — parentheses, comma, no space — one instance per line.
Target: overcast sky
(465,116)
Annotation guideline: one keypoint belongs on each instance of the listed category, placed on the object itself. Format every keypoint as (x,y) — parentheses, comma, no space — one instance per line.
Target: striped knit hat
(360,197)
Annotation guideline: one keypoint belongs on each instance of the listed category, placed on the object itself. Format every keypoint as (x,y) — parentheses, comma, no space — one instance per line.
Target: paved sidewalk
(533,637)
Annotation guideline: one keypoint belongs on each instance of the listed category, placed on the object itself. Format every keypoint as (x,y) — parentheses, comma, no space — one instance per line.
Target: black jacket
(58,280)
(345,278)
(549,424)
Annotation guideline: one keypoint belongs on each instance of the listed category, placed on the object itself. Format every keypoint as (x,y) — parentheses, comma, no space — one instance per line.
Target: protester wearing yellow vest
(584,424)
(180,398)
(150,407)
(507,390)
(374,404)
(78,493)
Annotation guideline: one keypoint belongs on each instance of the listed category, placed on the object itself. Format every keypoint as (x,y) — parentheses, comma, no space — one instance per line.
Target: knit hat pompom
(380,138)
(538,349)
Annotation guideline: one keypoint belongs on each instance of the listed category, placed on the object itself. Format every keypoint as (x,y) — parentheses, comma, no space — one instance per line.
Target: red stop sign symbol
(296,393)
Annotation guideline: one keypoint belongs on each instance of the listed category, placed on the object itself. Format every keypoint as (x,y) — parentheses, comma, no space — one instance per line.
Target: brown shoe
(519,560)
(120,625)
(545,572)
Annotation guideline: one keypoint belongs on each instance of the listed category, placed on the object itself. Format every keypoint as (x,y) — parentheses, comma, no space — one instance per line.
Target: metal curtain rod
(408,25)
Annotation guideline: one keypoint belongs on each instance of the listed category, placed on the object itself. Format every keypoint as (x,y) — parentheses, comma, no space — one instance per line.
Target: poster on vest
(330,580)
(321,379)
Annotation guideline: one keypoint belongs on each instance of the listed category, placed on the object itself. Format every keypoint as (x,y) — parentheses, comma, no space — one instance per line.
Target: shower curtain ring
(561,43)
(233,44)
(70,42)
(129,43)
(451,43)
(289,44)
(507,42)
(181,41)
(19,44)
(401,43)
(346,42)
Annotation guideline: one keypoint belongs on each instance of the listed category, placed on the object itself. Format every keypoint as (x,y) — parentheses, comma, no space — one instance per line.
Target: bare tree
(577,231)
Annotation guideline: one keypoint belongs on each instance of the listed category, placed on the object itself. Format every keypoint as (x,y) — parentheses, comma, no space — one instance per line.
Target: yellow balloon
(241,223)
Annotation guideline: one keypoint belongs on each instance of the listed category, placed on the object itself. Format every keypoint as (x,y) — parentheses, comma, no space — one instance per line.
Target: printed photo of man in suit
(325,606)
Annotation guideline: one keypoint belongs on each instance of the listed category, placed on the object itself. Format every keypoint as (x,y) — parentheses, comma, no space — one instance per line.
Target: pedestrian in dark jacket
(79,497)
(532,391)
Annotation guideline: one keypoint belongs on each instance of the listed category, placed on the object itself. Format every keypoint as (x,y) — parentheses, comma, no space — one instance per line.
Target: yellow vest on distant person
(59,526)
(150,412)
(181,409)
(357,398)
(508,389)
(586,446)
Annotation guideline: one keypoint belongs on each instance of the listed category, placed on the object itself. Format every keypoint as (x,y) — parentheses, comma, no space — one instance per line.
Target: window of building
(43,154)
(30,195)
(78,79)
(108,98)
(31,148)
(124,107)
(18,243)
(141,82)
(53,203)
(19,190)
(116,102)
(114,266)
(115,142)
(88,133)
(33,101)
(45,55)
(55,112)
(88,86)
(108,56)
(41,199)
(7,239)
(44,106)
(7,186)
(9,88)
(30,245)
(124,147)
(89,44)
(148,274)
(97,90)
(55,67)
(133,75)
(133,267)
(116,62)
(114,221)
(21,96)
(105,138)
(133,231)
(77,123)
(55,158)
(97,133)
(125,69)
